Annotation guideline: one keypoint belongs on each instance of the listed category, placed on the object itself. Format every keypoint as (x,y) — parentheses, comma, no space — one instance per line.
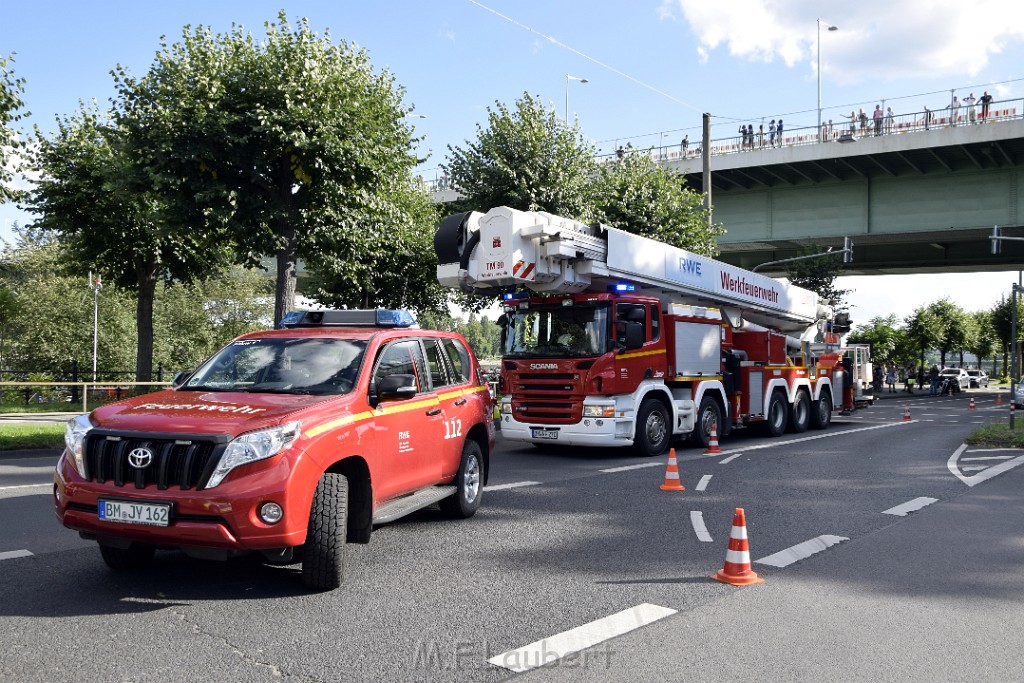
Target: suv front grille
(182,460)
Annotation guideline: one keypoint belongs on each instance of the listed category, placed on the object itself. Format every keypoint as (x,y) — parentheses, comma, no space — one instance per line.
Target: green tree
(527,158)
(924,331)
(292,143)
(99,202)
(1001,316)
(819,275)
(950,320)
(885,336)
(11,89)
(635,194)
(983,341)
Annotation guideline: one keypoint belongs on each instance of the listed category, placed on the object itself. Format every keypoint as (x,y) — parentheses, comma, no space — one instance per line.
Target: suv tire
(323,556)
(469,484)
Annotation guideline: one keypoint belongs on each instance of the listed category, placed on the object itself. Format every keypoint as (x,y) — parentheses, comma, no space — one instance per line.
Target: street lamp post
(567,79)
(830,28)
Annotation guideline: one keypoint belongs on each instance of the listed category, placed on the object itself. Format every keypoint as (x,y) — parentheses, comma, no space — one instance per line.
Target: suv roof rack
(370,317)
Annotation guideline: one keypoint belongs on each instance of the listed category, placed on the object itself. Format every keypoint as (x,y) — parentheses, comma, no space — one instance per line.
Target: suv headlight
(252,447)
(74,439)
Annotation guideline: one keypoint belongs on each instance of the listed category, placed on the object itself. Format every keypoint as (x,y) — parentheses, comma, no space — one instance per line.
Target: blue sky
(652,66)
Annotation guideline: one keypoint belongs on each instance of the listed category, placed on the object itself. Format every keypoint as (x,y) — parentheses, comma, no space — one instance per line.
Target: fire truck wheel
(710,413)
(132,558)
(653,429)
(323,556)
(821,415)
(800,413)
(777,413)
(468,484)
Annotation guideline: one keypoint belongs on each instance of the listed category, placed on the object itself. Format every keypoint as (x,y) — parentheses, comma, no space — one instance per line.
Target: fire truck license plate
(545,433)
(151,514)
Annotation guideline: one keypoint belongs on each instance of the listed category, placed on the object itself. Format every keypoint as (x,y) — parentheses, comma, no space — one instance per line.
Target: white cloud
(906,39)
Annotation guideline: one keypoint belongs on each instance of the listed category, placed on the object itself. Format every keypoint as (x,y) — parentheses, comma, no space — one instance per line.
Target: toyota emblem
(139,458)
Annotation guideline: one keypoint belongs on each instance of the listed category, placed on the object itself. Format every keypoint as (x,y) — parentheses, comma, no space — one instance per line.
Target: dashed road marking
(26,486)
(801,551)
(726,461)
(697,520)
(703,483)
(513,485)
(550,650)
(626,468)
(11,554)
(904,509)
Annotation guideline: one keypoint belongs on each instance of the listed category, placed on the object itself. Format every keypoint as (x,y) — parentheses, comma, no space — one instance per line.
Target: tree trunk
(147,276)
(287,258)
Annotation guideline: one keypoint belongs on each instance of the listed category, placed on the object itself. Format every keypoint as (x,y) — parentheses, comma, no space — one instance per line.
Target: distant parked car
(978,379)
(1018,394)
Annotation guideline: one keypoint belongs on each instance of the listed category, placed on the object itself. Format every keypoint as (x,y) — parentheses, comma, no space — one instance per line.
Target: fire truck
(613,339)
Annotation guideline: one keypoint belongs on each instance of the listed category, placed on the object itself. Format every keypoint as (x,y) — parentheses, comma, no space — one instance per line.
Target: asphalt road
(571,547)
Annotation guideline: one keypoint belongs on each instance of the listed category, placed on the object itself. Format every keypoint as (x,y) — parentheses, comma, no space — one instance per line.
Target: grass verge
(997,436)
(17,436)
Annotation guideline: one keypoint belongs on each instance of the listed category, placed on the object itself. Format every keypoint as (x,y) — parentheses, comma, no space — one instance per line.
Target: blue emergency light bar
(372,317)
(624,287)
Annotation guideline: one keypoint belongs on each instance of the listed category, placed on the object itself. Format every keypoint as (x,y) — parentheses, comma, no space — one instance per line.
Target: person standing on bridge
(954,108)
(890,120)
(862,118)
(771,133)
(877,117)
(969,103)
(778,131)
(985,100)
(684,146)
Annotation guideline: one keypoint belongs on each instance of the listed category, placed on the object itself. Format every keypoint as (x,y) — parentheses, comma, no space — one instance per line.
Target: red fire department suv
(289,442)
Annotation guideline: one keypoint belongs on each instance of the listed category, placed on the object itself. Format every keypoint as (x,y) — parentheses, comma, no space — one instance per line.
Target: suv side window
(402,358)
(439,376)
(459,359)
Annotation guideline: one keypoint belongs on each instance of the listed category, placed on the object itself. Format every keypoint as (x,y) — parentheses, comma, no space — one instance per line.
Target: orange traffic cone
(737,571)
(713,442)
(672,474)
(906,413)
(971,407)
(999,399)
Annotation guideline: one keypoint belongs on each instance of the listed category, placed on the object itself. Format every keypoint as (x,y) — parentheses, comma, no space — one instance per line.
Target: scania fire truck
(613,339)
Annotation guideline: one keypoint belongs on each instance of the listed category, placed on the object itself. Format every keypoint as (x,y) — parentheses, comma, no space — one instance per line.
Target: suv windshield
(558,331)
(281,365)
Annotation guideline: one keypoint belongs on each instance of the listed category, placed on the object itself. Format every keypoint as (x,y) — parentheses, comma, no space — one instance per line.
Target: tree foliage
(527,158)
(638,195)
(11,104)
(292,143)
(819,275)
(885,337)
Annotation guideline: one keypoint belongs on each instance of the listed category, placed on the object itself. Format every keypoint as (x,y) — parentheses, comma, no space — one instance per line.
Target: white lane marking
(801,551)
(993,450)
(826,435)
(910,506)
(513,485)
(550,650)
(703,483)
(697,520)
(726,461)
(25,486)
(973,468)
(985,475)
(11,554)
(632,467)
(986,457)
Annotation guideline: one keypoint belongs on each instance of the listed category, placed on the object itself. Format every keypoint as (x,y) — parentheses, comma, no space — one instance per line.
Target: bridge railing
(842,130)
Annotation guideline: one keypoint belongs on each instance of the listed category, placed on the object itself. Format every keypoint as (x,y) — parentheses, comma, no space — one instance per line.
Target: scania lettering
(289,443)
(612,339)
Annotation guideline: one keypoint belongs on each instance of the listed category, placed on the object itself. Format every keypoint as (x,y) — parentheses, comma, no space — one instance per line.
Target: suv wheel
(469,484)
(323,556)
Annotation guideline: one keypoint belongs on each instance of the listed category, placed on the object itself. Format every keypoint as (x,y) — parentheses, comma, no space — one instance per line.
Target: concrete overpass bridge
(922,195)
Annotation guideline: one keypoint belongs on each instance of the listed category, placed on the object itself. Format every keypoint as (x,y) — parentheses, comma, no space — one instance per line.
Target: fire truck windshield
(277,365)
(558,331)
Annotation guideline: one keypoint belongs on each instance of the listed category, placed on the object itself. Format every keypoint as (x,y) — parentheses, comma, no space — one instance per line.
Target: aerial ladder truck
(613,339)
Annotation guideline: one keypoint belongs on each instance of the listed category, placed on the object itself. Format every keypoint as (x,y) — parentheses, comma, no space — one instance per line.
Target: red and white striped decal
(525,275)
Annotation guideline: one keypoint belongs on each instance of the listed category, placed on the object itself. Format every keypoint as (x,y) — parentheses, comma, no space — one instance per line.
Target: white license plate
(545,434)
(127,512)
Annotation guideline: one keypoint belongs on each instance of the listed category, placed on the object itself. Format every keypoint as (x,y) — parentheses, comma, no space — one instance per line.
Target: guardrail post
(74,378)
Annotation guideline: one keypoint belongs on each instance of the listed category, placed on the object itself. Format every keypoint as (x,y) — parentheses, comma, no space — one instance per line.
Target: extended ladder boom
(506,248)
